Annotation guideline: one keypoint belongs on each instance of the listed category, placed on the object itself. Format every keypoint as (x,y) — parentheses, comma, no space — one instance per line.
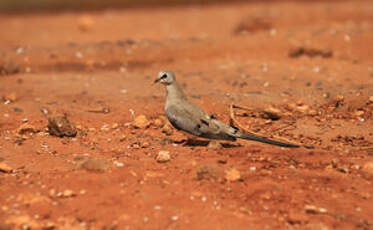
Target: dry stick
(234,121)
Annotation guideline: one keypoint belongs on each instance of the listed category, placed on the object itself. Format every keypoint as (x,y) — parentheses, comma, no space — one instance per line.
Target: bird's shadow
(196,142)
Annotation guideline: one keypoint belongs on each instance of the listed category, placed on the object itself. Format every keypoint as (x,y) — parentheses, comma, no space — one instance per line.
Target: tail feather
(248,136)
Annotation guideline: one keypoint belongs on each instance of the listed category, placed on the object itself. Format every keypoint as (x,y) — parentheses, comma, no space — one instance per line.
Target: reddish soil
(310,63)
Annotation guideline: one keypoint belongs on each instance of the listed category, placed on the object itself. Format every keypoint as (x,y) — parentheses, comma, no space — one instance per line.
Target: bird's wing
(193,120)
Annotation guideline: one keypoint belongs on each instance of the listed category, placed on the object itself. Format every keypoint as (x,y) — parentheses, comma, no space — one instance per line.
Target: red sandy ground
(81,63)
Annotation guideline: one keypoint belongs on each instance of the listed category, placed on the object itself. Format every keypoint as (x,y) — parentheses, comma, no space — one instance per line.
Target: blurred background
(37,5)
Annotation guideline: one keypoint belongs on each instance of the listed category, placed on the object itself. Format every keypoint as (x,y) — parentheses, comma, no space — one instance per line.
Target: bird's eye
(164,76)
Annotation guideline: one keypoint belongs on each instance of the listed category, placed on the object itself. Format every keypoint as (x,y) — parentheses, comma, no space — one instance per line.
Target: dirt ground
(303,71)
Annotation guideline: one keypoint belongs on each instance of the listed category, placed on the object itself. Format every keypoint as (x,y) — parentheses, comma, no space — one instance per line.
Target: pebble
(214,145)
(368,167)
(174,218)
(68,193)
(167,130)
(232,175)
(26,128)
(60,126)
(303,108)
(5,168)
(85,23)
(12,97)
(272,113)
(209,172)
(163,156)
(118,164)
(310,209)
(141,122)
(94,165)
(159,123)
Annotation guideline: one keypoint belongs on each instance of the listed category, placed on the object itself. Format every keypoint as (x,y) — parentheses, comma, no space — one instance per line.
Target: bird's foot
(185,142)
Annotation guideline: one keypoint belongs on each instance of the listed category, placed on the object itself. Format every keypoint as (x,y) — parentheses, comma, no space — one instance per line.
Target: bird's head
(165,77)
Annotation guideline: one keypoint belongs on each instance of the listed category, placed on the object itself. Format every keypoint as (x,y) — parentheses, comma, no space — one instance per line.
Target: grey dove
(187,117)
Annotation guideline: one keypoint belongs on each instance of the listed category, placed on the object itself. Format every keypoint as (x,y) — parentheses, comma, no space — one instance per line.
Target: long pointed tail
(248,136)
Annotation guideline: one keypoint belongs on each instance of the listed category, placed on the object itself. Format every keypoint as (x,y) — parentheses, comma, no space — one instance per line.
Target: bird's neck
(174,92)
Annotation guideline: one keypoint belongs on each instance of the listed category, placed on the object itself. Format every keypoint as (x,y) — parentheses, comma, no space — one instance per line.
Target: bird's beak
(156,81)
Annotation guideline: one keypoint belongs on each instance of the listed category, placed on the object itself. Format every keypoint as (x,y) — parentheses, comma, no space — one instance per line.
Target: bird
(186,116)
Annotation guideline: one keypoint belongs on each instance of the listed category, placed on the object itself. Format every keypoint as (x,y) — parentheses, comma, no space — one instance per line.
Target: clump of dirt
(310,52)
(60,126)
(9,68)
(252,25)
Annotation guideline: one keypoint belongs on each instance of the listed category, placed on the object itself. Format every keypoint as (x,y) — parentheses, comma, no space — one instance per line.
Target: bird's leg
(185,142)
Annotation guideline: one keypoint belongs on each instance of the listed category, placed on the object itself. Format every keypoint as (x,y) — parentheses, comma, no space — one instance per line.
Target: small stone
(93,165)
(115,126)
(296,217)
(145,144)
(141,122)
(9,68)
(368,167)
(12,97)
(359,113)
(163,156)
(27,128)
(312,209)
(323,210)
(214,145)
(119,164)
(60,126)
(312,112)
(85,23)
(174,218)
(209,172)
(167,130)
(5,168)
(158,123)
(68,193)
(303,108)
(272,113)
(232,175)
(371,99)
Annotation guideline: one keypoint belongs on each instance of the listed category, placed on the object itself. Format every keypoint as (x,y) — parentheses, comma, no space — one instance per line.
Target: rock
(68,193)
(60,126)
(93,165)
(359,113)
(371,99)
(272,113)
(158,123)
(115,126)
(10,97)
(209,172)
(311,209)
(9,68)
(167,130)
(214,145)
(163,156)
(303,108)
(141,122)
(27,128)
(368,167)
(297,217)
(232,175)
(85,23)
(5,168)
